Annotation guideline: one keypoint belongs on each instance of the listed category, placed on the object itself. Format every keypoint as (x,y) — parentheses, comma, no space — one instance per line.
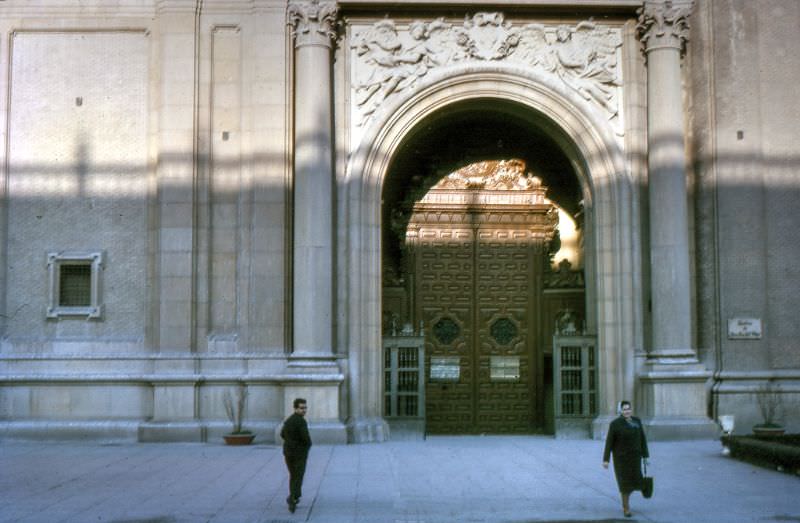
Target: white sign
(744,328)
(445,368)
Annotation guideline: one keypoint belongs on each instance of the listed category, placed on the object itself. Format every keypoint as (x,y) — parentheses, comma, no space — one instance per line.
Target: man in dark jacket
(296,443)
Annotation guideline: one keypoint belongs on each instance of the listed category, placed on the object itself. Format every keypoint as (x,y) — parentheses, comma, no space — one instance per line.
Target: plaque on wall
(504,368)
(744,328)
(445,368)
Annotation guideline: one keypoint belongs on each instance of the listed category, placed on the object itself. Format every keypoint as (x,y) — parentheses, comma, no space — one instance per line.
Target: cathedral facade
(435,217)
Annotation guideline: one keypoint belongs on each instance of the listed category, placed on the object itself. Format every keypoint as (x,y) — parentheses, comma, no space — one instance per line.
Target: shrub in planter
(235,412)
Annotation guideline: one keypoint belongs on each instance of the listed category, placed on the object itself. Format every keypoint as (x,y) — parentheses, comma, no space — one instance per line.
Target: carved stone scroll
(389,59)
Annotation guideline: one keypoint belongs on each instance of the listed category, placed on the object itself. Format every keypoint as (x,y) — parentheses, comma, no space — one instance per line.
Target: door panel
(444,276)
(477,294)
(506,275)
(476,242)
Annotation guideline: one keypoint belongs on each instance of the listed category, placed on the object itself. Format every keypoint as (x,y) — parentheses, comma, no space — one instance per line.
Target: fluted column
(313,33)
(663,28)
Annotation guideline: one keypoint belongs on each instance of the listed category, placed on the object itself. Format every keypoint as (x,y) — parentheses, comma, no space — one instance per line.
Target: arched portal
(587,143)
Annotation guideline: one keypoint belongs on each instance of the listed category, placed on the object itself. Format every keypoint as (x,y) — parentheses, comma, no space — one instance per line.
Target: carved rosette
(313,23)
(664,23)
(391,58)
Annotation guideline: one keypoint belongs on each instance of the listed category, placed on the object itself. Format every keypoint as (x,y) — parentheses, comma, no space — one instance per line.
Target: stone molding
(313,23)
(664,23)
(390,59)
(540,225)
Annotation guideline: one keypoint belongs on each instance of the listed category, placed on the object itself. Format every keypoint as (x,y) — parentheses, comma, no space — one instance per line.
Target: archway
(470,258)
(589,145)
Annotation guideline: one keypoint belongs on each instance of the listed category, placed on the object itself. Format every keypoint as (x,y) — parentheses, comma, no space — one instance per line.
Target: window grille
(74,284)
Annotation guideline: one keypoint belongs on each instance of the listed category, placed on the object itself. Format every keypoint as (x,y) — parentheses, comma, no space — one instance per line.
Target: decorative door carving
(478,241)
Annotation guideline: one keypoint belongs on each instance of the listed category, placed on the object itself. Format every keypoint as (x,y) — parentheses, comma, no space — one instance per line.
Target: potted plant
(770,404)
(235,412)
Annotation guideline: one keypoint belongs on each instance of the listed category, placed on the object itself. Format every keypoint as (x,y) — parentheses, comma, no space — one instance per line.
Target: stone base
(171,432)
(265,431)
(406,429)
(368,430)
(572,428)
(95,431)
(322,433)
(660,429)
(664,428)
(674,397)
(135,431)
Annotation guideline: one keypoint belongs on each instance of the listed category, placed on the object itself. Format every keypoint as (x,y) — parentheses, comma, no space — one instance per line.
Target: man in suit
(296,443)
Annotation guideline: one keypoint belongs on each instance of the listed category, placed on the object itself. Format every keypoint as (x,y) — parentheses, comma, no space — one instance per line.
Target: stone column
(663,26)
(673,382)
(313,24)
(312,371)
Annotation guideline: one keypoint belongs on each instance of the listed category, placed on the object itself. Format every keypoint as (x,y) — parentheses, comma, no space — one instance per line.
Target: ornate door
(479,252)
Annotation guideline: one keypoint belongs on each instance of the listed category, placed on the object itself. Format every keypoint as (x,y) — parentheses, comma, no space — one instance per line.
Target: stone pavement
(503,479)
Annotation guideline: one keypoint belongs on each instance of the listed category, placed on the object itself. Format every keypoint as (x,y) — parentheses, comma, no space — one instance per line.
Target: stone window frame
(56,260)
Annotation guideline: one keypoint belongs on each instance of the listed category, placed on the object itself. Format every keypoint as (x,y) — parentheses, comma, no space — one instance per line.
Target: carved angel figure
(587,62)
(533,48)
(437,42)
(392,68)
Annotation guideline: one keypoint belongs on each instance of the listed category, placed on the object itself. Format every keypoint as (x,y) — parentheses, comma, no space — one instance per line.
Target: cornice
(70,8)
(549,4)
(132,8)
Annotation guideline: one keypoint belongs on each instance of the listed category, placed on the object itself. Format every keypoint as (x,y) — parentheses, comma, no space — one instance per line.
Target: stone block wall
(745,123)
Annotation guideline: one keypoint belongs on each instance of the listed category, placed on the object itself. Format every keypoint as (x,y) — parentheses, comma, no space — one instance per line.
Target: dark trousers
(297,469)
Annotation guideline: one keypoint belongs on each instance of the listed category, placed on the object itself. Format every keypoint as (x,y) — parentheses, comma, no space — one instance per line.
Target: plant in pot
(235,411)
(770,405)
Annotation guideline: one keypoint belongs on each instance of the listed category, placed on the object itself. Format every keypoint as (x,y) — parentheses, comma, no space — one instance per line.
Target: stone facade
(217,167)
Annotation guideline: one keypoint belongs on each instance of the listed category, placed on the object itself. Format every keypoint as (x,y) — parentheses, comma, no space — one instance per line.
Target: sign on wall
(744,328)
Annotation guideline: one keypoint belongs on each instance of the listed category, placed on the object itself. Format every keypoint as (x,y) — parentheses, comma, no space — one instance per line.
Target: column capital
(664,23)
(313,22)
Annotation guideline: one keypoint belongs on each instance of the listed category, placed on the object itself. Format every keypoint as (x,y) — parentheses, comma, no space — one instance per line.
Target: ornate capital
(313,22)
(664,23)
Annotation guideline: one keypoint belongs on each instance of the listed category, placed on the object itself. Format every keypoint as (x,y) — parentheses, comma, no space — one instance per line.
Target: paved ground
(500,479)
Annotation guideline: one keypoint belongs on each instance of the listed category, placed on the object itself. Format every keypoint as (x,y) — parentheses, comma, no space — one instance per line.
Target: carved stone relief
(389,59)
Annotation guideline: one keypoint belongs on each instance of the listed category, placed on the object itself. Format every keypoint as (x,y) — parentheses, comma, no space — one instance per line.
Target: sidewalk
(514,479)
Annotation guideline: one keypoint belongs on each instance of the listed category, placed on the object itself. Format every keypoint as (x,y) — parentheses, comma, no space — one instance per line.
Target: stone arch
(590,144)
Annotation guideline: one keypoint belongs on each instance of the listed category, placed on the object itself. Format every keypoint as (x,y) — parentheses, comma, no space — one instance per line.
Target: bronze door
(477,294)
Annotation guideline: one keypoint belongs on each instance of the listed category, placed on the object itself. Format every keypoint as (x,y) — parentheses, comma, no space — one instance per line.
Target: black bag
(647,483)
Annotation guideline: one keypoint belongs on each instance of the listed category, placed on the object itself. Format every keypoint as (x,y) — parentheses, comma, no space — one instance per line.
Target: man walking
(296,443)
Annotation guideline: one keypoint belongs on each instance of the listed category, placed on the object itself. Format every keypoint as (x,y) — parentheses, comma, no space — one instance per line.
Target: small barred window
(74,284)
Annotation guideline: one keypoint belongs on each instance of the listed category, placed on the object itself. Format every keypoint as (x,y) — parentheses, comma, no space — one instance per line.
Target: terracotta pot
(244,438)
(768,431)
